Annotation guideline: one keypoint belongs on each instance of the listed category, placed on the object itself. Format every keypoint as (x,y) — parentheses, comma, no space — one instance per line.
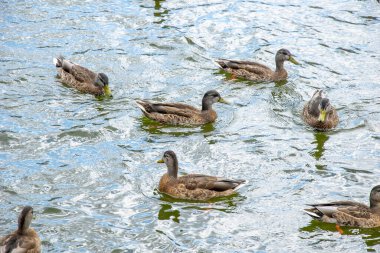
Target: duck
(25,239)
(182,114)
(258,72)
(82,78)
(319,113)
(349,213)
(194,186)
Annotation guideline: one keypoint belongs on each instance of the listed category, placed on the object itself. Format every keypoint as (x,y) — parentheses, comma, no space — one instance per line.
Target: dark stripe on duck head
(103,78)
(210,97)
(325,102)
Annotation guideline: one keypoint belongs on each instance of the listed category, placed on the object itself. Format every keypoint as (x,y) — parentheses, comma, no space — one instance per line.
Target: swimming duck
(258,72)
(194,186)
(24,239)
(349,213)
(319,113)
(82,78)
(182,114)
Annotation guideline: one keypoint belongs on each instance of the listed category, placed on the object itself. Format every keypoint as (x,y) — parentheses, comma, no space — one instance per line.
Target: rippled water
(88,167)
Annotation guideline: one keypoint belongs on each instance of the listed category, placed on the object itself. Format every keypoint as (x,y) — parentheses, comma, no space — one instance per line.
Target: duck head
(171,161)
(285,55)
(211,97)
(324,107)
(102,81)
(374,197)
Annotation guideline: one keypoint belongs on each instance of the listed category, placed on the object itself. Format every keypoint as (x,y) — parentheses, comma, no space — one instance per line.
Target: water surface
(88,167)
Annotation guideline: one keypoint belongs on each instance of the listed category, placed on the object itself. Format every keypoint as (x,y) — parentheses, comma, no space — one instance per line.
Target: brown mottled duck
(81,78)
(194,186)
(257,72)
(182,114)
(25,239)
(319,113)
(349,213)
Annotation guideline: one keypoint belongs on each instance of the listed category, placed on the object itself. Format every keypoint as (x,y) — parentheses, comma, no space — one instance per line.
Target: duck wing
(252,67)
(179,109)
(8,243)
(2,240)
(173,106)
(31,244)
(199,181)
(80,73)
(351,208)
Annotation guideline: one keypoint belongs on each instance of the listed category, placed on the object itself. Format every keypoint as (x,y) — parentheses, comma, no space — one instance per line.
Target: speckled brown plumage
(312,110)
(182,114)
(349,213)
(24,239)
(81,78)
(194,186)
(258,72)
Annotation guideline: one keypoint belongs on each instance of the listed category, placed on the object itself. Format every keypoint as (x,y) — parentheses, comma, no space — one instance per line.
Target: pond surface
(88,166)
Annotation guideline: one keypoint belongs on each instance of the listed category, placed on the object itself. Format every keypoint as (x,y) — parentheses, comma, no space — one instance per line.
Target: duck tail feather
(242,183)
(140,104)
(58,62)
(315,94)
(221,63)
(312,214)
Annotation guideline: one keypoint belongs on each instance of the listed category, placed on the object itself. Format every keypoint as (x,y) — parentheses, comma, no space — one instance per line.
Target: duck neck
(23,225)
(374,205)
(279,65)
(173,169)
(206,105)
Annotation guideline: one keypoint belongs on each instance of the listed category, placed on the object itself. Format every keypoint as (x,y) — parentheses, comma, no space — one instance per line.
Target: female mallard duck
(182,114)
(193,186)
(258,72)
(349,213)
(319,113)
(82,78)
(24,239)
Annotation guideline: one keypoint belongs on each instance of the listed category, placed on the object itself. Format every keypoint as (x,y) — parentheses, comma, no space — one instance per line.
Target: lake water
(88,166)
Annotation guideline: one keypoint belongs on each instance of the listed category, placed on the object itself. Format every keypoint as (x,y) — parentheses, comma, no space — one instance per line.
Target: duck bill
(160,161)
(107,91)
(221,100)
(322,116)
(292,60)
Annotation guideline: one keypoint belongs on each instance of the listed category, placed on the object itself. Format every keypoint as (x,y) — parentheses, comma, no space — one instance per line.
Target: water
(88,167)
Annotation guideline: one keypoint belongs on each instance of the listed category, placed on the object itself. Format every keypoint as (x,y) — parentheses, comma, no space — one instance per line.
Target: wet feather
(349,213)
(194,186)
(24,239)
(256,71)
(79,77)
(182,114)
(312,110)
